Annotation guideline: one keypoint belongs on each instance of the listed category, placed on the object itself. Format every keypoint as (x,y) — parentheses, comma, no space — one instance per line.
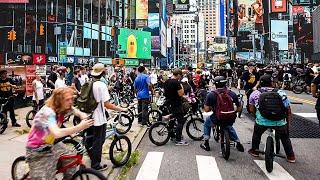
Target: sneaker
(101,167)
(182,143)
(16,125)
(291,159)
(240,147)
(253,153)
(205,146)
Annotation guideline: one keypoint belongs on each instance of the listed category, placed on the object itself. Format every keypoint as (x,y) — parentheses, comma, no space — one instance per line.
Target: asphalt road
(172,162)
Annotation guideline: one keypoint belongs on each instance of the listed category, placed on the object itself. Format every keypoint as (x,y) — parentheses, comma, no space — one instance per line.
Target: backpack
(86,101)
(224,110)
(271,105)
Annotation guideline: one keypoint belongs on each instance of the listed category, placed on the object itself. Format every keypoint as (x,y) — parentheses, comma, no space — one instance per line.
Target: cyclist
(173,91)
(6,91)
(263,122)
(61,82)
(250,79)
(41,152)
(210,104)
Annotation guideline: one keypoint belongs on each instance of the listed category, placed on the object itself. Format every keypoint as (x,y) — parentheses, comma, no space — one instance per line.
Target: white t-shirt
(83,79)
(101,94)
(38,90)
(60,83)
(153,78)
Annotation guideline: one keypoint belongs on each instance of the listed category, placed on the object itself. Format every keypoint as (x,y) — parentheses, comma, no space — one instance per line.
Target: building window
(192,31)
(186,31)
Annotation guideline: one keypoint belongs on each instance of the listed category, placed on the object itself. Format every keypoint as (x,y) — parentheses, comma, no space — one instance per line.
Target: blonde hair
(56,100)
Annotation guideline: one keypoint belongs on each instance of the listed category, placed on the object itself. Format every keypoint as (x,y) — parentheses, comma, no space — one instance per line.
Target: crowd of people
(180,86)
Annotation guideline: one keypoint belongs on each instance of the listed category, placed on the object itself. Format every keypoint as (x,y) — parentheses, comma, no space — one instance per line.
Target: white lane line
(307,115)
(150,167)
(208,168)
(278,172)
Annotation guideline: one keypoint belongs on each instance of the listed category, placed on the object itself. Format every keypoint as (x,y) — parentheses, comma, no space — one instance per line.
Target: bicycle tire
(14,169)
(225,144)
(131,113)
(154,118)
(241,109)
(113,158)
(297,91)
(216,133)
(30,116)
(269,154)
(164,132)
(88,171)
(193,123)
(125,126)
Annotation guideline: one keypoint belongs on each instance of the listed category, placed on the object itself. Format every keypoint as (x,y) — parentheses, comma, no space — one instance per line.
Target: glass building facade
(85,25)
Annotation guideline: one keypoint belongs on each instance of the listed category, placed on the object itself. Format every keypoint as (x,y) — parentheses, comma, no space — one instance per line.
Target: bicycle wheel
(30,116)
(297,89)
(216,133)
(241,108)
(225,143)
(88,174)
(269,154)
(120,150)
(20,169)
(194,128)
(124,125)
(159,133)
(154,116)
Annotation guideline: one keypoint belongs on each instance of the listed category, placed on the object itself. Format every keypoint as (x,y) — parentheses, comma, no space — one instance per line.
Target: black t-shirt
(309,77)
(52,77)
(171,88)
(6,88)
(77,83)
(316,81)
(211,99)
(250,79)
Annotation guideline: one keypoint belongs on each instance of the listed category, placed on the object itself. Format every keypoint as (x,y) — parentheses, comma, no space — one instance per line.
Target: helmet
(62,70)
(220,81)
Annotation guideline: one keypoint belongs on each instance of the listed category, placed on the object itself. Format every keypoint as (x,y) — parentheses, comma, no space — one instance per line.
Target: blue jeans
(207,126)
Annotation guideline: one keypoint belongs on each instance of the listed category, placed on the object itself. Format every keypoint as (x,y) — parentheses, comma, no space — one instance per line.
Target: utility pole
(253,35)
(197,43)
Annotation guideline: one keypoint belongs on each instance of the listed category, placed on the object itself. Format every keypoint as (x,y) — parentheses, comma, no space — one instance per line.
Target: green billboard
(134,44)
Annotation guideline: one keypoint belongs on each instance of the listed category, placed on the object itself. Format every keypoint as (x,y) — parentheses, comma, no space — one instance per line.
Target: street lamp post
(196,19)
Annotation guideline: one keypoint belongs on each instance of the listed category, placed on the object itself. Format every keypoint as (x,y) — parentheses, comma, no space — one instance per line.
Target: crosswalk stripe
(278,173)
(307,115)
(150,166)
(208,168)
(302,100)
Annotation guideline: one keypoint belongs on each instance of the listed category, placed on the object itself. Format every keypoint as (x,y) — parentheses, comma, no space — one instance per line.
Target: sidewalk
(13,142)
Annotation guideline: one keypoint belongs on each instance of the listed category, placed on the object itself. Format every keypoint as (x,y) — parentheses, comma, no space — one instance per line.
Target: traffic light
(14,35)
(41,31)
(10,35)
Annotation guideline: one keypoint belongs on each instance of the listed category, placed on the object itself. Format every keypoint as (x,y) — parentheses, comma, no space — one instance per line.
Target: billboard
(279,33)
(279,6)
(153,24)
(14,1)
(142,12)
(316,30)
(182,5)
(134,44)
(250,15)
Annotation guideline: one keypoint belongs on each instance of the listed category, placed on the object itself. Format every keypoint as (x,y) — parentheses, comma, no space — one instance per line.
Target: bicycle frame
(77,161)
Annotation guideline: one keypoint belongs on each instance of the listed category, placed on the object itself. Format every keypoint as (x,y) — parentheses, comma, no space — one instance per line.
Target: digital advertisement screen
(134,44)
(279,33)
(250,13)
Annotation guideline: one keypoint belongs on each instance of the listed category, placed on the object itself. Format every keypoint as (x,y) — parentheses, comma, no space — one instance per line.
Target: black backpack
(271,105)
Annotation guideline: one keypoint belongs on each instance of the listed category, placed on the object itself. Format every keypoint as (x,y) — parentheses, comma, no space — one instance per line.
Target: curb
(115,172)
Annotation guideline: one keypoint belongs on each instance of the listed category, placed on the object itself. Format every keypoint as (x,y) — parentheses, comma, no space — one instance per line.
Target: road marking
(302,100)
(307,115)
(278,172)
(208,168)
(150,167)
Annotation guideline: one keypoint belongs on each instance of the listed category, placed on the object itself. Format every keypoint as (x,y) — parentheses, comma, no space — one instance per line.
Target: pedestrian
(52,77)
(60,82)
(142,86)
(6,91)
(76,81)
(38,92)
(98,131)
(83,75)
(154,78)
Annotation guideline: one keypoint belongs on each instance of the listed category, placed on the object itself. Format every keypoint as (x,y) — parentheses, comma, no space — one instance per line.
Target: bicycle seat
(167,117)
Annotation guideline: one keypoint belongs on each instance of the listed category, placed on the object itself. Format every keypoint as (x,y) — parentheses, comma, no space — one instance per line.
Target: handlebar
(300,103)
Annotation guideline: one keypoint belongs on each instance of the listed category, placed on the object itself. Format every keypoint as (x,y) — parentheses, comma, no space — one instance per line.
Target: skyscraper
(208,8)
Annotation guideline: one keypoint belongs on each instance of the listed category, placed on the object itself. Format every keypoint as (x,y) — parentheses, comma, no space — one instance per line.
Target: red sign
(30,76)
(298,9)
(14,1)
(39,59)
(52,18)
(279,6)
